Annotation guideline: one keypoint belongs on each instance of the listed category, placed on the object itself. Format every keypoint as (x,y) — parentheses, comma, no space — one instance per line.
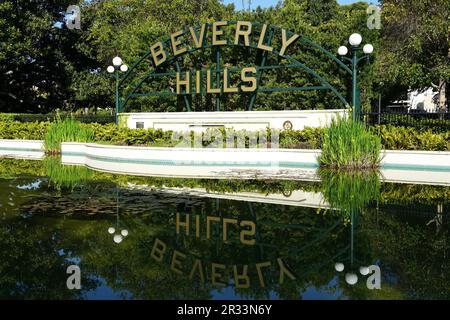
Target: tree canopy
(45,66)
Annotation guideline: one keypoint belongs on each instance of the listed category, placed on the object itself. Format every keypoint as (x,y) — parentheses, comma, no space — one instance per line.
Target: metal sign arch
(173,61)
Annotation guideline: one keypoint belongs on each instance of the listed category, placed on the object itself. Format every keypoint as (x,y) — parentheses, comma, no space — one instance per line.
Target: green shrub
(392,138)
(25,131)
(67,130)
(402,138)
(348,144)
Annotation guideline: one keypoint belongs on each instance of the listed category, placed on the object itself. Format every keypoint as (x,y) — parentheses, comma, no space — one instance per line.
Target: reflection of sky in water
(31,186)
(104,292)
(311,293)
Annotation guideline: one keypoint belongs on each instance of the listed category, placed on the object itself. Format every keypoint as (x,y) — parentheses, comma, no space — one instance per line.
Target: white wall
(249,120)
(421,167)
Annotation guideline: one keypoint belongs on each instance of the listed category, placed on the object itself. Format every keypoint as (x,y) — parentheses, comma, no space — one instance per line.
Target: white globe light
(118,238)
(342,50)
(364,271)
(355,39)
(111,230)
(351,278)
(124,232)
(368,49)
(339,267)
(117,61)
(124,68)
(110,69)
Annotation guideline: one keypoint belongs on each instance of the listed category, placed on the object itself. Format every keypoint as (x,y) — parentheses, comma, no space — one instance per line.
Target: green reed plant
(67,130)
(347,143)
(350,191)
(66,176)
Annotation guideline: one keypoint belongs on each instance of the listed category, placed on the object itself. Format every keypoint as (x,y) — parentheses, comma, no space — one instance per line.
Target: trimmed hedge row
(392,138)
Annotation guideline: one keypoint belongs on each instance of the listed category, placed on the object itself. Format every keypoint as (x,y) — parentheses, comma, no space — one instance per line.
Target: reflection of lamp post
(111,230)
(118,237)
(115,68)
(351,277)
(355,40)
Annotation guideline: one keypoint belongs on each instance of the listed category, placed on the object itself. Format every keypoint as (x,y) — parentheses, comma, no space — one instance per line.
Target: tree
(415,45)
(33,67)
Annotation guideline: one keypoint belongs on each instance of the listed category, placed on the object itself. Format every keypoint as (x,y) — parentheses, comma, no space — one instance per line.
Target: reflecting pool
(348,236)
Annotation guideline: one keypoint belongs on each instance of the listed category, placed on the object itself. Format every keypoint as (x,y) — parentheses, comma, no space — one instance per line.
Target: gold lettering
(209,88)
(197,226)
(158,253)
(158,53)
(216,276)
(176,43)
(208,227)
(175,266)
(183,224)
(259,266)
(225,222)
(239,278)
(243,33)
(198,82)
(198,41)
(283,271)
(249,233)
(186,83)
(285,43)
(262,36)
(217,32)
(245,78)
(197,266)
(226,78)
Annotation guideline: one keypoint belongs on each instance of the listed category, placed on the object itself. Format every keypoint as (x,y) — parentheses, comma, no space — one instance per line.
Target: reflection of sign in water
(219,273)
(247,228)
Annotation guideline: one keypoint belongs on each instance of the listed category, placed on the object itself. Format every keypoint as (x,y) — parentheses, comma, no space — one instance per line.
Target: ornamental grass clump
(347,144)
(68,130)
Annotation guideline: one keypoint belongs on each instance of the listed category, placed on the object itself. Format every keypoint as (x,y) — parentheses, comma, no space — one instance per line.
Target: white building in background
(425,101)
(417,101)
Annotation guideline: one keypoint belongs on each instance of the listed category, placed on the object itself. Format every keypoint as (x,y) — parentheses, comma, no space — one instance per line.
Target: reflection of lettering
(246,228)
(219,273)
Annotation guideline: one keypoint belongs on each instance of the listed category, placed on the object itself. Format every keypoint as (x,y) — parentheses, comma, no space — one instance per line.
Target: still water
(157,238)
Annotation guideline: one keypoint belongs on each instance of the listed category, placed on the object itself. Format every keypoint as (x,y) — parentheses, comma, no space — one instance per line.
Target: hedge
(392,138)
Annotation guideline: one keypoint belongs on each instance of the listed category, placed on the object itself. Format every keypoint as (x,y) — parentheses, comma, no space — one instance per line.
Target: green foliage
(65,176)
(402,138)
(348,144)
(415,46)
(67,130)
(350,191)
(392,138)
(25,130)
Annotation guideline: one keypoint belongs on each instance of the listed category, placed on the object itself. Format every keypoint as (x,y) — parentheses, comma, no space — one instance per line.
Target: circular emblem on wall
(287,125)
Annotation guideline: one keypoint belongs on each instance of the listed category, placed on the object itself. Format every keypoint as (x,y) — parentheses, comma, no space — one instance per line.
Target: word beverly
(243,33)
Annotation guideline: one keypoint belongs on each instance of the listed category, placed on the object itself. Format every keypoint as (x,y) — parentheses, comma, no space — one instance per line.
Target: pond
(348,236)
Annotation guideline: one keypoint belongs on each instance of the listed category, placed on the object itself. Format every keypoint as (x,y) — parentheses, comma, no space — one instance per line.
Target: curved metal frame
(325,85)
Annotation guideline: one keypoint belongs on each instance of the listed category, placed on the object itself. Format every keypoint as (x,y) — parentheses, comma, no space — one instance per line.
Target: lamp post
(118,66)
(355,41)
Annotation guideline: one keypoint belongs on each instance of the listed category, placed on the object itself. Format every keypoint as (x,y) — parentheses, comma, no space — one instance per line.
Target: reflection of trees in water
(406,248)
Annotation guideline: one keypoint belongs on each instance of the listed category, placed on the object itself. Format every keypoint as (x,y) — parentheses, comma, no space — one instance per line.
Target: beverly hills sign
(178,75)
(242,33)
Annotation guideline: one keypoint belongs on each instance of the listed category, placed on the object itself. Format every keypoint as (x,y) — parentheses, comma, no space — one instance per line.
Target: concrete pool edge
(429,167)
